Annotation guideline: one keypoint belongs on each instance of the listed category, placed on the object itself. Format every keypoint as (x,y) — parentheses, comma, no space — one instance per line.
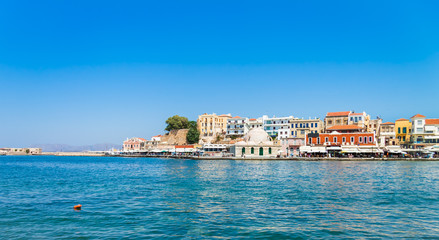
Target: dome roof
(258,136)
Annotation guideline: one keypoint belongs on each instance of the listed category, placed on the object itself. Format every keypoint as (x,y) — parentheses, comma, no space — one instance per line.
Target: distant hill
(70,148)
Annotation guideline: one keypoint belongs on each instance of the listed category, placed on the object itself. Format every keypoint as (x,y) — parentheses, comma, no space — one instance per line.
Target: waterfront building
(344,129)
(215,148)
(212,125)
(156,138)
(278,127)
(387,135)
(359,119)
(291,146)
(256,143)
(403,130)
(134,144)
(336,118)
(336,143)
(237,126)
(425,132)
(255,123)
(375,126)
(300,127)
(339,139)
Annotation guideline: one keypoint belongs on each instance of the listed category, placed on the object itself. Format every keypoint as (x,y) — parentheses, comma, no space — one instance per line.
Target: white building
(255,123)
(256,144)
(425,131)
(156,138)
(359,119)
(277,126)
(237,126)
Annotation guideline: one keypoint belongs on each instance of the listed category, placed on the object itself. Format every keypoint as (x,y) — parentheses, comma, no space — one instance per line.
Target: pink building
(134,144)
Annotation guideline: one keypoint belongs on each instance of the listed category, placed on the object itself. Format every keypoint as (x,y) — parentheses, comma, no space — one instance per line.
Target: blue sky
(84,72)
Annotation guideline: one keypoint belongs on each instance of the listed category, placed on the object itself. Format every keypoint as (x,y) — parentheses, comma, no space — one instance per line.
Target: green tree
(193,135)
(27,151)
(177,122)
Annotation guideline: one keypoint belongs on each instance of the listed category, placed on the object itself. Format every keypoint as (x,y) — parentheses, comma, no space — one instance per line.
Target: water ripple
(175,199)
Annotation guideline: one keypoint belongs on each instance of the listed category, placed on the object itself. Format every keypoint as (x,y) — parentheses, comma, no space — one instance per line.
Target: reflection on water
(157,198)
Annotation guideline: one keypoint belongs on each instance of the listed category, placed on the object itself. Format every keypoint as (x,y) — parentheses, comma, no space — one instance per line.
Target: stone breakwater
(75,154)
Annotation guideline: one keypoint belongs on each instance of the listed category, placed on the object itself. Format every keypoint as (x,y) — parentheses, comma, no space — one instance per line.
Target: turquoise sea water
(142,198)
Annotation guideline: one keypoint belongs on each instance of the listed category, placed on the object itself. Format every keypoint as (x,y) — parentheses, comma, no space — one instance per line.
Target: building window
(252,150)
(310,140)
(329,122)
(399,130)
(269,150)
(307,125)
(335,139)
(404,130)
(326,139)
(343,139)
(318,140)
(261,151)
(243,151)
(403,138)
(365,139)
(360,140)
(370,139)
(352,139)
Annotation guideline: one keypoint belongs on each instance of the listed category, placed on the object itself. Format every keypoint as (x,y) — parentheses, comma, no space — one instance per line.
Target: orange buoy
(77,207)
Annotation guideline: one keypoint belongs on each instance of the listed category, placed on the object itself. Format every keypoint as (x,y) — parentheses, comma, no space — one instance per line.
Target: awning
(305,149)
(318,150)
(333,148)
(353,150)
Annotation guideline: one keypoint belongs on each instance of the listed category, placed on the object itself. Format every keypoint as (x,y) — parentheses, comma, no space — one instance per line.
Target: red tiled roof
(355,114)
(337,114)
(253,119)
(418,116)
(142,139)
(432,121)
(344,127)
(402,119)
(237,117)
(387,123)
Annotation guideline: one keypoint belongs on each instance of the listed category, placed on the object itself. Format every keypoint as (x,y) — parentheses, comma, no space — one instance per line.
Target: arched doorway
(243,151)
(261,151)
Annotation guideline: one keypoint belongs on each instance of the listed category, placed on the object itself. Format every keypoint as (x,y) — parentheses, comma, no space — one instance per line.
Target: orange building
(339,139)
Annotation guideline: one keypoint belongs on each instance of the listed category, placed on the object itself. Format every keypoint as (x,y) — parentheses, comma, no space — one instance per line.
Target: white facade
(255,123)
(237,126)
(277,126)
(425,130)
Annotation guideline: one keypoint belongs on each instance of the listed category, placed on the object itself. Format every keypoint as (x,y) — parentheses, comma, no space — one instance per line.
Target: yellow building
(211,125)
(403,130)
